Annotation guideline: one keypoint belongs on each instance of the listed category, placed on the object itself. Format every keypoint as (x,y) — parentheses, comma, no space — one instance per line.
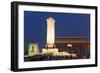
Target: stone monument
(50,47)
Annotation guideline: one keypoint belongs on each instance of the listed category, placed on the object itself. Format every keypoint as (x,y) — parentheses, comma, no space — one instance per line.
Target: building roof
(71,40)
(71,37)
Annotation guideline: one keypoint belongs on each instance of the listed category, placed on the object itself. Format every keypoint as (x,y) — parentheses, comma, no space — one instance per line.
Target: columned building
(77,45)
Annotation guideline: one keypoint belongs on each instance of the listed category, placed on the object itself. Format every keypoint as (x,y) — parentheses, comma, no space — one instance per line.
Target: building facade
(77,45)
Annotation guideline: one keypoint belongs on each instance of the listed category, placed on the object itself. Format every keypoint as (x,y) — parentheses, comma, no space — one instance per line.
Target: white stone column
(50,31)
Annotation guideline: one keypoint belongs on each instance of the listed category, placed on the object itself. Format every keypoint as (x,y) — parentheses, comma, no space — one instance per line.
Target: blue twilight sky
(67,25)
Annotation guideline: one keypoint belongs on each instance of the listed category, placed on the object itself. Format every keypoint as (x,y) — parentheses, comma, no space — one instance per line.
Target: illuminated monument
(50,32)
(50,47)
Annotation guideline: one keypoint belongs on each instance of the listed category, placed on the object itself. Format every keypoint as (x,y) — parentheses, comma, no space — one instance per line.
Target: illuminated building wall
(77,45)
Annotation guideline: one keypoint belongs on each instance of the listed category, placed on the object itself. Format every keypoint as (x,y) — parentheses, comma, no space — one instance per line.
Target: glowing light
(69,45)
(50,31)
(74,55)
(62,54)
(33,49)
(54,50)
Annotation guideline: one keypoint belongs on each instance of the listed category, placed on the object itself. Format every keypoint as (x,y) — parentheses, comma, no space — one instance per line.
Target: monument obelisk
(50,32)
(50,48)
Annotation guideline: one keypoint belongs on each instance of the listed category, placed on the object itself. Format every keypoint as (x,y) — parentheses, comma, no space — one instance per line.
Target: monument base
(50,50)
